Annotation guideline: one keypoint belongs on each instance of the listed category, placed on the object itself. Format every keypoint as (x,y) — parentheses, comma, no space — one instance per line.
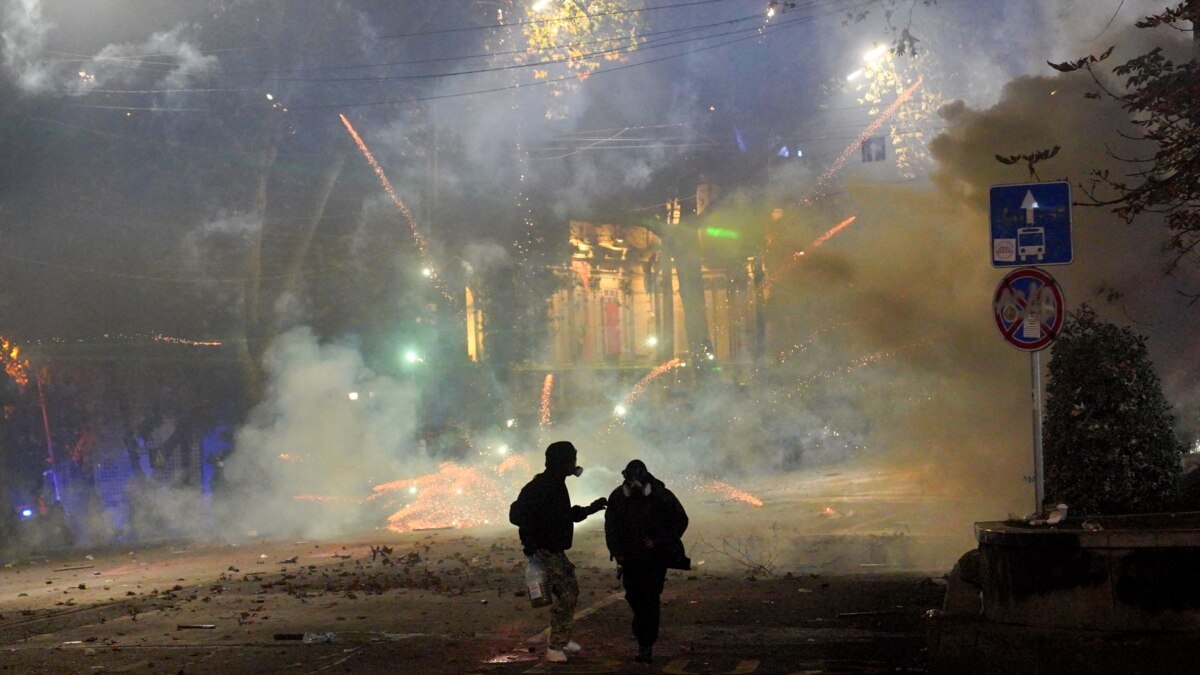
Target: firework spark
(883,116)
(825,237)
(547,399)
(798,255)
(422,246)
(726,491)
(454,496)
(159,337)
(640,387)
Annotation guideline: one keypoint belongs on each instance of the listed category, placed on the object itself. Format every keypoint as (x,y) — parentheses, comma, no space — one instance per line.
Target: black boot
(643,655)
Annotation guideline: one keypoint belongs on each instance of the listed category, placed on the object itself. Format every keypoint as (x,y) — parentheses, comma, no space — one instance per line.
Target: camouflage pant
(564,590)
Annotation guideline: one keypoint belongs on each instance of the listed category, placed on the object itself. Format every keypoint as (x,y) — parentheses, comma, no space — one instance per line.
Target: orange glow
(16,367)
(454,496)
(513,462)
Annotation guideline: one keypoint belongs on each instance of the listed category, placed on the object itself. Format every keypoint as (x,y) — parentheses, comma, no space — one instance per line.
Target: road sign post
(1028,307)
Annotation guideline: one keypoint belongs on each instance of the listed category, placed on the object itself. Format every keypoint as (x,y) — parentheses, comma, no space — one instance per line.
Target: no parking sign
(1028,307)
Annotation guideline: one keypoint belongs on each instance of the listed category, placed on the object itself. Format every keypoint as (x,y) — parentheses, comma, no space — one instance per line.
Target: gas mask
(577,471)
(636,483)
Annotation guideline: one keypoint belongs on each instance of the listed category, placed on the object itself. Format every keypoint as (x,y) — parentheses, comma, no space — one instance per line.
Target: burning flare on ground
(16,367)
(454,496)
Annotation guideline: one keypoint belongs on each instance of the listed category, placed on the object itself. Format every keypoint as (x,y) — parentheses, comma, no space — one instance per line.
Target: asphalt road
(440,602)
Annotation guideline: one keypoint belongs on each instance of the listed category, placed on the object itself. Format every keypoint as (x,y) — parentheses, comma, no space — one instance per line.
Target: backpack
(516,513)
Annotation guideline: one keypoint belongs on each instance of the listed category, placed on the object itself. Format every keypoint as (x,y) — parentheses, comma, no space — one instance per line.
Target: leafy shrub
(1108,438)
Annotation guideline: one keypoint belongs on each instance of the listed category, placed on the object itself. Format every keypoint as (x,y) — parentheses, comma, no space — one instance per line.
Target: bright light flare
(874,54)
(540,5)
(353,395)
(620,410)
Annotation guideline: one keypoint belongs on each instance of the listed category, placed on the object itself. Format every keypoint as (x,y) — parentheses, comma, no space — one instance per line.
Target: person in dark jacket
(546,521)
(643,528)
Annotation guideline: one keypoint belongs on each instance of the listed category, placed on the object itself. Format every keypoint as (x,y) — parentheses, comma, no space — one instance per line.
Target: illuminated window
(874,149)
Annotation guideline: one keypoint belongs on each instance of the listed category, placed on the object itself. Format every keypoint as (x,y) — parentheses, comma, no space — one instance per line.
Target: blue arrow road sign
(1031,224)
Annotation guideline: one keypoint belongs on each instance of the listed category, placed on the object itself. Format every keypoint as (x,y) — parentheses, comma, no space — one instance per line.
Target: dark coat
(544,514)
(631,519)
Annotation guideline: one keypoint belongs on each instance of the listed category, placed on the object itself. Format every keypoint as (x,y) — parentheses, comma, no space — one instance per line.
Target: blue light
(783,152)
(27,513)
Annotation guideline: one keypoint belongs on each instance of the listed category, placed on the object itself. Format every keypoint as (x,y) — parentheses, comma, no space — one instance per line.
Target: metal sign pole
(1035,374)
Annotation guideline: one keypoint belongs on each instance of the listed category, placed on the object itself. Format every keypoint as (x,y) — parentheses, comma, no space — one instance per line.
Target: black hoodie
(633,518)
(544,514)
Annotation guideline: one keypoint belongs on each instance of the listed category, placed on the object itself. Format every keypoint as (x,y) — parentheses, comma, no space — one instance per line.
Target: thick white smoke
(165,60)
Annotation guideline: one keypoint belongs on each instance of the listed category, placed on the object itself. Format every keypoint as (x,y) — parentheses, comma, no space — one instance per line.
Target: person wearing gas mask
(545,519)
(643,528)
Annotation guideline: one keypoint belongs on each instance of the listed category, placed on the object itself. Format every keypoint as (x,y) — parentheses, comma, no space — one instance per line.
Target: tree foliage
(1109,440)
(1161,97)
(582,35)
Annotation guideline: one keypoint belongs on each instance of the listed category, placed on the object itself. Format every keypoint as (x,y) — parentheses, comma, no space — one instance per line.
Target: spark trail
(856,144)
(800,254)
(640,387)
(422,246)
(825,237)
(547,399)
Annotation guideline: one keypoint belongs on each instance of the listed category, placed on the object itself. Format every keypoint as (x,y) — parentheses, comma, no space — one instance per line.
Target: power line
(134,64)
(442,31)
(762,32)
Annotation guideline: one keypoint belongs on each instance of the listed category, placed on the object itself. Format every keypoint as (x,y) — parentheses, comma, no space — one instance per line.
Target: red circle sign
(1028,307)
